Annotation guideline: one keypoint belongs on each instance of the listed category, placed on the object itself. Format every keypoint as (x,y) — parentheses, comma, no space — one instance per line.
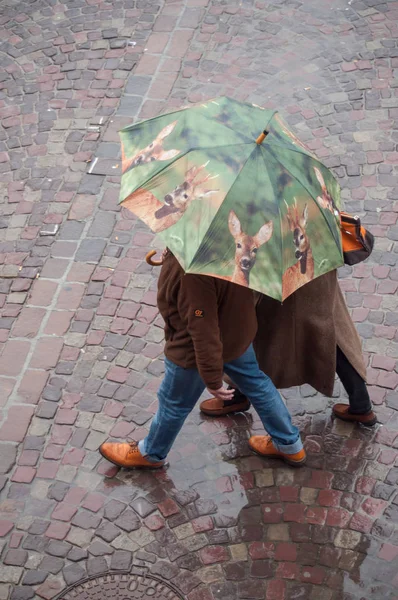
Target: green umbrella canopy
(259,210)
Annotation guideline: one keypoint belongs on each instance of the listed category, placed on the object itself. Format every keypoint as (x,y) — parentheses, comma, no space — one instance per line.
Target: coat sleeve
(198,303)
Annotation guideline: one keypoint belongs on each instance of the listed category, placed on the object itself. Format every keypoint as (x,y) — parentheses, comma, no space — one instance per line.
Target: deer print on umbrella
(178,200)
(325,201)
(303,270)
(153,152)
(246,247)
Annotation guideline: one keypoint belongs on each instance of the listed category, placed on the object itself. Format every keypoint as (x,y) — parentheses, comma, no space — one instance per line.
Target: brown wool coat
(296,341)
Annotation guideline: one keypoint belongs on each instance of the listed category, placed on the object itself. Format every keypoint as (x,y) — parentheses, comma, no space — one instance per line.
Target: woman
(307,339)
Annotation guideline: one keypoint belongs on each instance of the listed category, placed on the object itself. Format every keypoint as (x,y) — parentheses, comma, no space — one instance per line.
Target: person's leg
(178,394)
(354,385)
(267,401)
(360,406)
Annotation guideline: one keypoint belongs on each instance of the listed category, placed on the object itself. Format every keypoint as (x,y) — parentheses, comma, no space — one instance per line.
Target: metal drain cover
(121,586)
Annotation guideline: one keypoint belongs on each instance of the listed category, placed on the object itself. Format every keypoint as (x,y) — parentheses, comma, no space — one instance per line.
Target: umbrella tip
(261,137)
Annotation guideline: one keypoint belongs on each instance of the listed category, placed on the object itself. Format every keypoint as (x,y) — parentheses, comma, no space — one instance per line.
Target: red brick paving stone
(288,570)
(4,335)
(54,268)
(28,458)
(388,552)
(82,207)
(15,540)
(58,530)
(260,550)
(80,272)
(95,338)
(289,493)
(101,274)
(168,508)
(320,479)
(60,434)
(42,293)
(122,430)
(53,452)
(66,416)
(5,527)
(23,474)
(114,291)
(118,374)
(47,469)
(13,357)
(16,425)
(286,552)
(58,323)
(106,469)
(121,326)
(365,485)
(387,457)
(49,589)
(338,517)
(154,522)
(31,386)
(316,515)
(75,496)
(93,502)
(276,590)
(70,296)
(74,457)
(46,353)
(28,323)
(294,512)
(329,498)
(64,512)
(202,524)
(313,575)
(113,409)
(6,387)
(262,568)
(361,523)
(200,594)
(147,314)
(374,507)
(214,554)
(107,307)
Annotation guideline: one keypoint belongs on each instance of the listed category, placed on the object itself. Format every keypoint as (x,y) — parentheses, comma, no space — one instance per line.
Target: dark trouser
(354,385)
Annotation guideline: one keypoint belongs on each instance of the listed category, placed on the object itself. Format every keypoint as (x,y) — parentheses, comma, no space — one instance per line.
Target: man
(308,339)
(210,325)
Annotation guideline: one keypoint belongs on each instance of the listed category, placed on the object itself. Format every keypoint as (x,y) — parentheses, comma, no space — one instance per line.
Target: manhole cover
(121,586)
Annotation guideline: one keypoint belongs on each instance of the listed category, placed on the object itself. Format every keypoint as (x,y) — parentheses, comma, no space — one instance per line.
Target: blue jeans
(182,388)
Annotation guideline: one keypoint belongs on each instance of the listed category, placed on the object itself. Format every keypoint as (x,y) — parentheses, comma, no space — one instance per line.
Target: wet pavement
(81,340)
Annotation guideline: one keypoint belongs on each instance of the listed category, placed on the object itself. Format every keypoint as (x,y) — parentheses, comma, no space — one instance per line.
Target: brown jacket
(208,322)
(296,341)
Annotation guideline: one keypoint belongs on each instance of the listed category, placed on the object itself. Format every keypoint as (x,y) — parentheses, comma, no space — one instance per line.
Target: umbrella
(258,210)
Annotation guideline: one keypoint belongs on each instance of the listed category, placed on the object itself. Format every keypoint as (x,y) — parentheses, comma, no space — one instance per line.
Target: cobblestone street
(81,342)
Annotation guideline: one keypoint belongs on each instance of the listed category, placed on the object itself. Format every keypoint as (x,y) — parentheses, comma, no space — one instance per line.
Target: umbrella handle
(153,263)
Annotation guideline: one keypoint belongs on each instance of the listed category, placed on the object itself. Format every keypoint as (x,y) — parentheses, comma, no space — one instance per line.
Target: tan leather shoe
(342,411)
(219,408)
(127,455)
(262,445)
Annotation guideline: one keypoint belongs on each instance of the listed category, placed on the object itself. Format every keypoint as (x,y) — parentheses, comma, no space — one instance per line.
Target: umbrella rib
(289,146)
(280,225)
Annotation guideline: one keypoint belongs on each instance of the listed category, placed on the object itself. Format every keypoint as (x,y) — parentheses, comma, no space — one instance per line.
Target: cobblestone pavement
(81,340)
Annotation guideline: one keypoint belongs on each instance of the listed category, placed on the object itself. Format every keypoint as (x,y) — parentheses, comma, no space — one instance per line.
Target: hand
(222,393)
(164,254)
